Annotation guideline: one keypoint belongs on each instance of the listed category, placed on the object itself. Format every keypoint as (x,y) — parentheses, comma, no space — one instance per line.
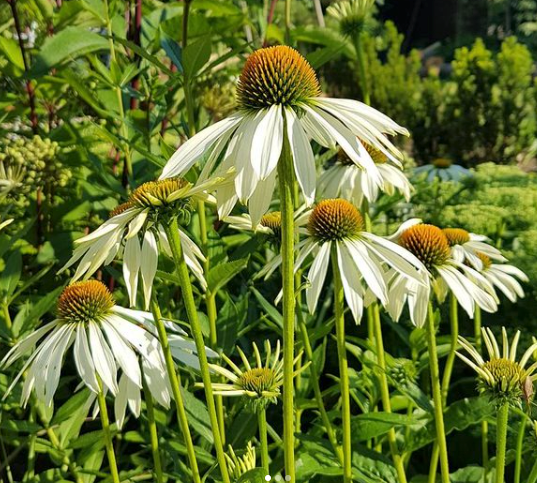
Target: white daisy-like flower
(465,246)
(337,226)
(135,231)
(239,465)
(443,169)
(280,102)
(270,224)
(503,277)
(261,382)
(344,179)
(105,338)
(350,14)
(502,375)
(430,245)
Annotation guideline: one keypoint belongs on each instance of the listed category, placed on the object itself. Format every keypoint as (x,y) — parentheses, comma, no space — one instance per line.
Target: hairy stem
(175,383)
(286,183)
(501,441)
(385,394)
(343,370)
(172,232)
(105,423)
(437,399)
(153,435)
(263,440)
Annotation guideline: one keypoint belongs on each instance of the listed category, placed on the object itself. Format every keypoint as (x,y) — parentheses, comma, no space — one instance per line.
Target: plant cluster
(219,266)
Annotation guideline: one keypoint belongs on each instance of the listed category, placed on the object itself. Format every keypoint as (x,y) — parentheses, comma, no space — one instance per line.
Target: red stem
(270,18)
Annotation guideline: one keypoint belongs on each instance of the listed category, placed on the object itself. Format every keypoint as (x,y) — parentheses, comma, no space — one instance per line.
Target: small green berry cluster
(36,161)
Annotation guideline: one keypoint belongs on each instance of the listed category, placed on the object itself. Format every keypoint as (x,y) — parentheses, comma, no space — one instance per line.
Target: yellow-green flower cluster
(32,163)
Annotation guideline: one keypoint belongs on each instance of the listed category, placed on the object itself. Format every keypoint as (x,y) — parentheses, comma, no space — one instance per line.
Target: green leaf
(69,44)
(145,55)
(11,275)
(12,51)
(269,308)
(459,416)
(371,425)
(257,475)
(196,55)
(221,274)
(198,415)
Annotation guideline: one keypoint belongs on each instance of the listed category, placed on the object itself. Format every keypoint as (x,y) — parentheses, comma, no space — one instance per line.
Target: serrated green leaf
(221,274)
(257,475)
(371,425)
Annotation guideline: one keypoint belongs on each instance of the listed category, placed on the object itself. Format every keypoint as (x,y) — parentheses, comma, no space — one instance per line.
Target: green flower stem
(172,232)
(119,95)
(533,475)
(385,394)
(343,370)
(175,384)
(437,397)
(263,440)
(454,322)
(314,380)
(484,424)
(501,441)
(286,182)
(360,65)
(288,22)
(105,423)
(519,445)
(448,370)
(153,435)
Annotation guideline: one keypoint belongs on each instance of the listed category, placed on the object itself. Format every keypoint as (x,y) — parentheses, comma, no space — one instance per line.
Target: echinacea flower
(443,169)
(270,224)
(502,376)
(503,277)
(135,230)
(465,246)
(260,382)
(337,226)
(239,465)
(430,245)
(344,179)
(105,338)
(350,14)
(280,103)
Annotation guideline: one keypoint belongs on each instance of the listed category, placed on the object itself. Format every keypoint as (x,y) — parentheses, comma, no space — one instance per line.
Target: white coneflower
(135,230)
(465,245)
(503,277)
(270,224)
(443,169)
(239,465)
(105,338)
(279,97)
(502,376)
(350,14)
(430,245)
(362,257)
(344,179)
(261,382)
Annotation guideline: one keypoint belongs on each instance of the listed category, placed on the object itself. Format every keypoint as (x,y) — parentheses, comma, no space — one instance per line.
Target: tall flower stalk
(175,384)
(286,183)
(502,419)
(172,232)
(107,434)
(437,399)
(339,298)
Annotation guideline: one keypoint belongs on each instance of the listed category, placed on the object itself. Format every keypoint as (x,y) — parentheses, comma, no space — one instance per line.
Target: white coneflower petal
(280,101)
(132,259)
(317,276)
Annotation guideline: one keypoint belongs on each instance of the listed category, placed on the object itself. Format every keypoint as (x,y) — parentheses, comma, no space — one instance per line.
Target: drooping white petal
(261,198)
(149,263)
(124,355)
(302,153)
(132,258)
(120,401)
(83,359)
(350,277)
(317,276)
(103,358)
(52,373)
(267,142)
(197,146)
